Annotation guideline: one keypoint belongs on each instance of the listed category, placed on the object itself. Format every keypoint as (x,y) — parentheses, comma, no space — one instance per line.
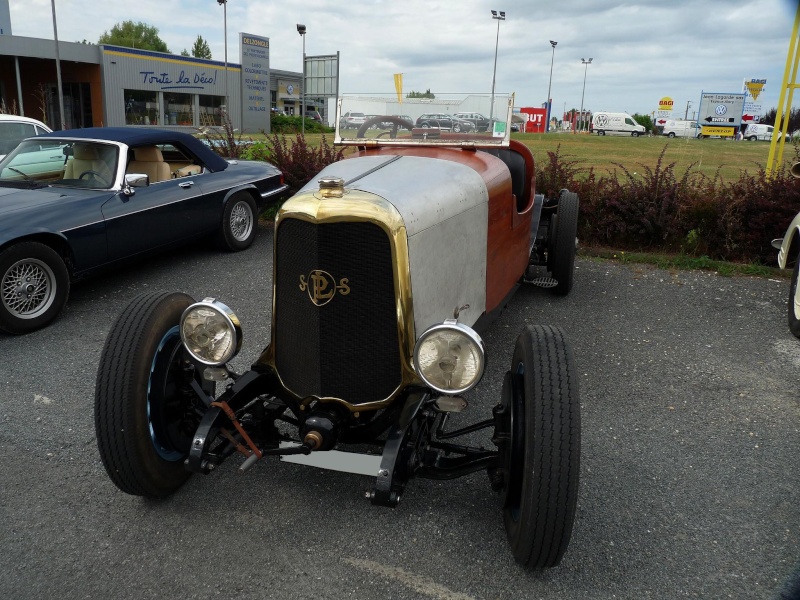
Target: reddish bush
(298,161)
(652,209)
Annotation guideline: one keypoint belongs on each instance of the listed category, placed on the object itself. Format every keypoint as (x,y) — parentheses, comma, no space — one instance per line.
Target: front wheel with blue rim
(540,447)
(146,408)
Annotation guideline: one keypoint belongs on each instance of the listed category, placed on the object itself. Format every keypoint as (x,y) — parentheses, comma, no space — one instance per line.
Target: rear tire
(34,285)
(239,223)
(794,300)
(564,242)
(541,468)
(145,413)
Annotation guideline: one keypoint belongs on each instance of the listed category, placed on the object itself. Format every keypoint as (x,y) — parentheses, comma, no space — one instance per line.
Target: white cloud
(641,50)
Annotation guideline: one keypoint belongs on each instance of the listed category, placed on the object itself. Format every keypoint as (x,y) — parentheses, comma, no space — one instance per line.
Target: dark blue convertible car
(74,202)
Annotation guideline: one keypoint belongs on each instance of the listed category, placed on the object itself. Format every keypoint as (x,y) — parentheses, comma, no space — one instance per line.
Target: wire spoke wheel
(241,221)
(28,288)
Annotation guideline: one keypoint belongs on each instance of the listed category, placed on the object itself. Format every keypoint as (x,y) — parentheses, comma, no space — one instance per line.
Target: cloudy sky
(640,50)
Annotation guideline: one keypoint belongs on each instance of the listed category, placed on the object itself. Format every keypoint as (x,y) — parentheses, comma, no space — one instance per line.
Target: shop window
(178,109)
(211,110)
(142,108)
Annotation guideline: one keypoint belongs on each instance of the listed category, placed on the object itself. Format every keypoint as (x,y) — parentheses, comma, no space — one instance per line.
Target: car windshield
(61,162)
(446,120)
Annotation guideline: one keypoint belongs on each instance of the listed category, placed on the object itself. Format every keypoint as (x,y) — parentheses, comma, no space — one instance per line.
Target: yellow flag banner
(398,86)
(754,86)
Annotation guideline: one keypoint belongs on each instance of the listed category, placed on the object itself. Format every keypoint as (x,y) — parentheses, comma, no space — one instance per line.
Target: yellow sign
(720,131)
(398,86)
(665,103)
(754,86)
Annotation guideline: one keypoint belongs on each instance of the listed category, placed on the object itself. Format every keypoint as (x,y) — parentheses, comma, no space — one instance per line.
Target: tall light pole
(585,68)
(499,15)
(549,85)
(301,29)
(225,26)
(58,70)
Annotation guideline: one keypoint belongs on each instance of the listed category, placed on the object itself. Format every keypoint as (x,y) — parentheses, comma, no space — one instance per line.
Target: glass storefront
(145,108)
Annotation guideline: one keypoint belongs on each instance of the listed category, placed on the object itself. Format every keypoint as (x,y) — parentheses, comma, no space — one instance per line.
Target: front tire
(145,412)
(635,134)
(794,300)
(543,458)
(671,134)
(563,242)
(34,283)
(239,223)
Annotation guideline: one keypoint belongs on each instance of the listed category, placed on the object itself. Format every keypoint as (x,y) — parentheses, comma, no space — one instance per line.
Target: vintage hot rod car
(388,265)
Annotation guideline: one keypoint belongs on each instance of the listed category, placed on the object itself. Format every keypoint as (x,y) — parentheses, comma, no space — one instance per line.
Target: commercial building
(104,85)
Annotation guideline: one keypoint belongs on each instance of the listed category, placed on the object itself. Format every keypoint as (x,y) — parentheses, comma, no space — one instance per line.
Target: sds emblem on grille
(322,287)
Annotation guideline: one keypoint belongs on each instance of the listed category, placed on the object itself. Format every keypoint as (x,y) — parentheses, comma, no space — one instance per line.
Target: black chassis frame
(414,443)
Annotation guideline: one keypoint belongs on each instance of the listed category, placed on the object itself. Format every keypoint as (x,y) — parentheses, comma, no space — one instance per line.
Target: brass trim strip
(353,207)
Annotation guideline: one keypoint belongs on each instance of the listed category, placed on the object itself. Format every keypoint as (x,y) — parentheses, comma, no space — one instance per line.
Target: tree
(425,94)
(643,120)
(185,52)
(201,49)
(134,35)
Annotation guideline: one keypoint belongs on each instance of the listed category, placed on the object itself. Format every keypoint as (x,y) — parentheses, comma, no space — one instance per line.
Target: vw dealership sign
(723,112)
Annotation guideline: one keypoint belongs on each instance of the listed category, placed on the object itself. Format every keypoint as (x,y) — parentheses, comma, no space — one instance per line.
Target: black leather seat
(516,166)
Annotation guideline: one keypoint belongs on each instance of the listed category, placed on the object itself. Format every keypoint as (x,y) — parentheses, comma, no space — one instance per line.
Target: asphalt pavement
(689,486)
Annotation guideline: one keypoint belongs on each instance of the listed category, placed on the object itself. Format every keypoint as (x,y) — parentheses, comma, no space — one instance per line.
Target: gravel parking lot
(689,486)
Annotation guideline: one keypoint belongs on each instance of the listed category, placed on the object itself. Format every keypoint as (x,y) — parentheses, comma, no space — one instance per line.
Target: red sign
(661,122)
(535,119)
(747,118)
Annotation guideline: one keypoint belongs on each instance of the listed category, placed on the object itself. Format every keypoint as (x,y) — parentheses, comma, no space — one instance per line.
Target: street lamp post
(499,15)
(585,68)
(58,71)
(225,27)
(301,29)
(549,85)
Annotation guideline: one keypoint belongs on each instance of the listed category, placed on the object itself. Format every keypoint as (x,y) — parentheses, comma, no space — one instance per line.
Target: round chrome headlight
(450,358)
(211,332)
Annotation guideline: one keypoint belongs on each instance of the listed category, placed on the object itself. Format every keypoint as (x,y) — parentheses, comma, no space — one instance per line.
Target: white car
(14,129)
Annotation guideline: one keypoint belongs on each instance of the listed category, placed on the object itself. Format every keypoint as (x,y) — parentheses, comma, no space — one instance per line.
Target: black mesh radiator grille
(347,347)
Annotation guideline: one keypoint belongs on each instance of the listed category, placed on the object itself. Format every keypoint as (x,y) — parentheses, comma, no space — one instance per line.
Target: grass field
(605,152)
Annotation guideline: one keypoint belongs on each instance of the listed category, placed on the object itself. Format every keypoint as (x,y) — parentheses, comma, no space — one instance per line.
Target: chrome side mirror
(134,180)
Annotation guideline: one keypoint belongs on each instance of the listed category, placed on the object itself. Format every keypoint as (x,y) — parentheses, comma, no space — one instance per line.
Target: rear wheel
(563,242)
(34,283)
(794,300)
(239,223)
(542,458)
(146,413)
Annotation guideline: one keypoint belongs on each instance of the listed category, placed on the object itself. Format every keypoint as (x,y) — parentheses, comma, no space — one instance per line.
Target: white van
(756,131)
(615,124)
(681,129)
